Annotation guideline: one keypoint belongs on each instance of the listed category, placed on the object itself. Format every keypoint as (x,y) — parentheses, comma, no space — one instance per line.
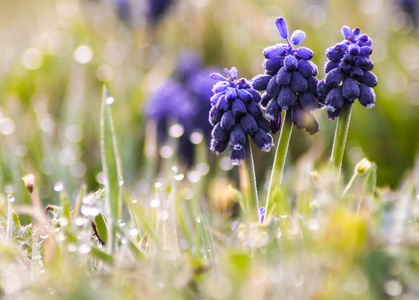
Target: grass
(106,216)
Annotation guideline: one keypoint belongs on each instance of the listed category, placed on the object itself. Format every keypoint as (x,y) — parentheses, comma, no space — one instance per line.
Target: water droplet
(87,199)
(393,288)
(59,186)
(314,204)
(133,201)
(196,137)
(158,185)
(313,224)
(61,236)
(72,247)
(121,223)
(283,216)
(188,193)
(89,210)
(9,189)
(121,180)
(110,100)
(155,202)
(163,215)
(198,219)
(63,221)
(176,131)
(166,151)
(84,248)
(11,198)
(133,232)
(194,176)
(178,173)
(44,232)
(202,168)
(80,221)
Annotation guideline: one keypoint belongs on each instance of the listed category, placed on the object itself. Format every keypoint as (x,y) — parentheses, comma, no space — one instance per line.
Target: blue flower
(235,115)
(348,75)
(155,9)
(289,81)
(183,98)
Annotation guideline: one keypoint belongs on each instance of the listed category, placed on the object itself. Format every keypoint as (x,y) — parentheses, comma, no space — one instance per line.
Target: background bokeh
(56,55)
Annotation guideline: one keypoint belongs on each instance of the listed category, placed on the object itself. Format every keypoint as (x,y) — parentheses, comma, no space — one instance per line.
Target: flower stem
(341,134)
(248,182)
(279,162)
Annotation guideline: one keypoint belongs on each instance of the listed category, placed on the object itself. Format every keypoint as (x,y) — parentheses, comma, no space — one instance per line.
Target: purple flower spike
(289,80)
(347,32)
(348,75)
(282,27)
(298,37)
(237,114)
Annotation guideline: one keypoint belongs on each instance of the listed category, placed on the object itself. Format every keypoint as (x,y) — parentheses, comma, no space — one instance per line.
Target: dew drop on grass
(89,210)
(110,100)
(198,219)
(72,247)
(43,232)
(121,180)
(133,200)
(393,288)
(314,204)
(313,224)
(59,186)
(80,221)
(176,131)
(155,202)
(196,137)
(61,236)
(163,215)
(63,221)
(133,232)
(121,223)
(84,248)
(178,175)
(11,198)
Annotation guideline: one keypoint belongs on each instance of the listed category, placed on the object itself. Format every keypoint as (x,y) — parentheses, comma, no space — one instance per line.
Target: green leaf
(110,161)
(65,205)
(101,228)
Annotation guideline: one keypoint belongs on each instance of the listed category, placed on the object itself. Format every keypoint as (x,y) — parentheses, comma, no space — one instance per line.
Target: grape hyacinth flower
(155,9)
(348,73)
(183,99)
(348,77)
(235,115)
(289,81)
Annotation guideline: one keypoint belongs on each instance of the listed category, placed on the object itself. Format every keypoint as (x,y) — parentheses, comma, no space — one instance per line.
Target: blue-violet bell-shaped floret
(236,114)
(348,75)
(289,80)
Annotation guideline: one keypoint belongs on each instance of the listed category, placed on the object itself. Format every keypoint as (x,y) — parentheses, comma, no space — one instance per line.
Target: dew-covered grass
(98,200)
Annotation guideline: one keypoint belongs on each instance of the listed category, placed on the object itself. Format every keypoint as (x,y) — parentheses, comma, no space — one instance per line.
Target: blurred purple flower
(171,100)
(184,98)
(155,10)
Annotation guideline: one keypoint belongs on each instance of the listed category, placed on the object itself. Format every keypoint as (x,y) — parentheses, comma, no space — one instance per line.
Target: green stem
(279,162)
(249,184)
(341,134)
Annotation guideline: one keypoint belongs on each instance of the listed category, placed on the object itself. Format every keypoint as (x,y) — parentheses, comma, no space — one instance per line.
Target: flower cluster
(348,75)
(235,114)
(183,98)
(289,81)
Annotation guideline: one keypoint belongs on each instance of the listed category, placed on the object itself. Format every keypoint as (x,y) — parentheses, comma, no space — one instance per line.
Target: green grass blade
(101,228)
(110,161)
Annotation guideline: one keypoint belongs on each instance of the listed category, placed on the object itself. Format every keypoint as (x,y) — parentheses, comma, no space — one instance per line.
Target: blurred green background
(56,55)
